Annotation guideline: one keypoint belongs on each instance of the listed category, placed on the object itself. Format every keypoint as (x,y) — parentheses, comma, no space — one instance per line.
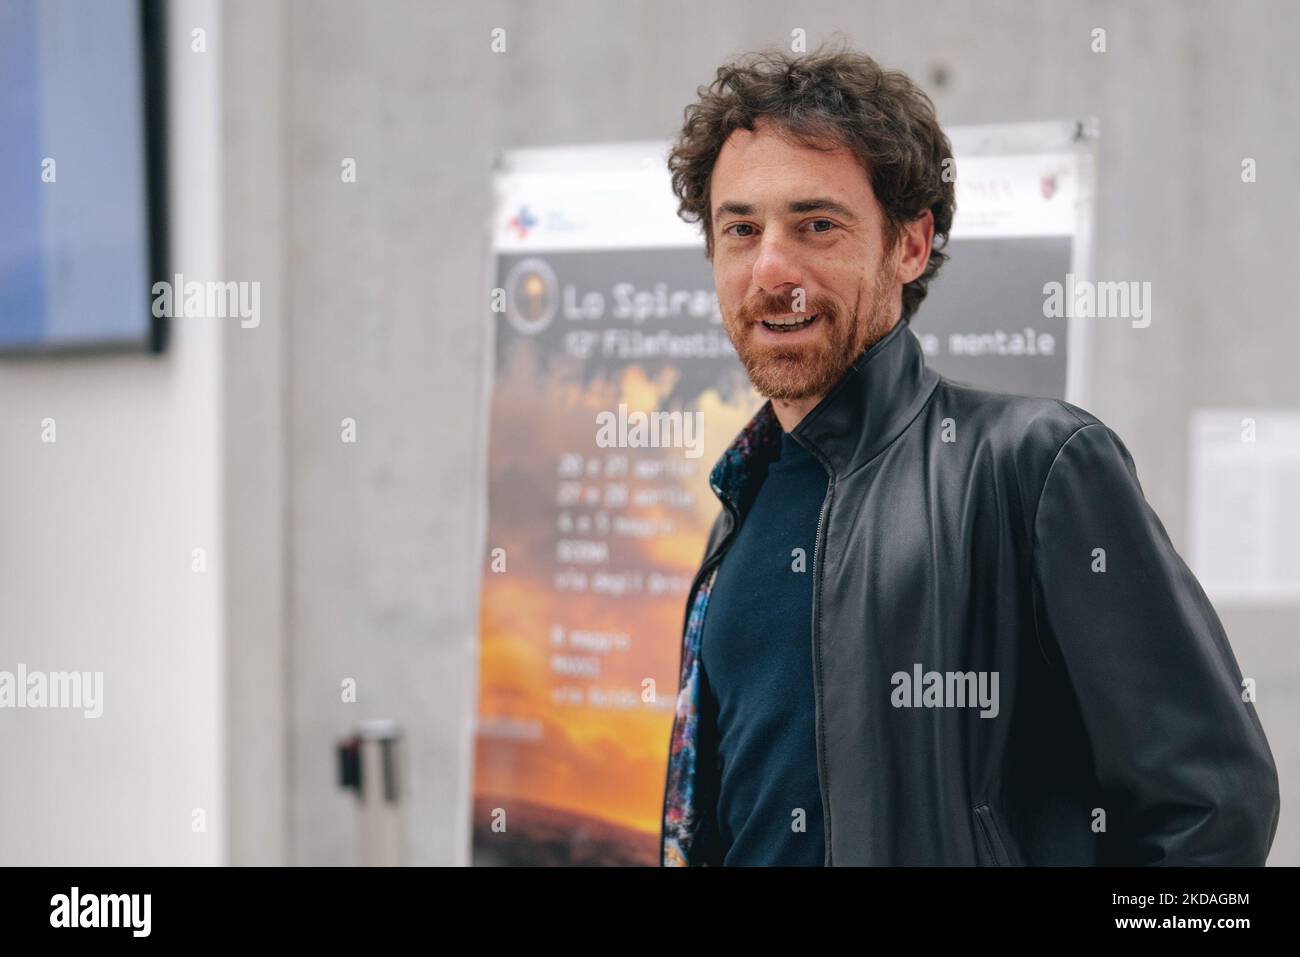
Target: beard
(811,368)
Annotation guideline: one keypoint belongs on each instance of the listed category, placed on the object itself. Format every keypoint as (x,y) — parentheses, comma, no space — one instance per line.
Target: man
(933,624)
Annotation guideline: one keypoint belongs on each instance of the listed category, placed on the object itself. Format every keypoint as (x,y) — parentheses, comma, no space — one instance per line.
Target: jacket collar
(875,399)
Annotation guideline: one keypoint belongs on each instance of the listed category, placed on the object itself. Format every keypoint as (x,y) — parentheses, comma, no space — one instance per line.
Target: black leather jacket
(1005,539)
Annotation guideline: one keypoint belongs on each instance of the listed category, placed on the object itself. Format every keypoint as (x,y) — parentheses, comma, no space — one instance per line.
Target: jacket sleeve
(1184,768)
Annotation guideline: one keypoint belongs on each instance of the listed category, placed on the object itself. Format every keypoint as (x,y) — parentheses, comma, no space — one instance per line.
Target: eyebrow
(819,204)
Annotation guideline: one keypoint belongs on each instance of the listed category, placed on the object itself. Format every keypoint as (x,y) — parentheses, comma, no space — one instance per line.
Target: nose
(776,269)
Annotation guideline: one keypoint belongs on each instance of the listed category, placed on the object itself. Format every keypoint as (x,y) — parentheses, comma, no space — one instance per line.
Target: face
(798,234)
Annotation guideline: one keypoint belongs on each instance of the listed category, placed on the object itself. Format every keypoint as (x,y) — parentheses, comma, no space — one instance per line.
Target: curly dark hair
(834,96)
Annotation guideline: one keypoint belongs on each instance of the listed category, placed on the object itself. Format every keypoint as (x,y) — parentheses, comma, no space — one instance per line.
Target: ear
(917,237)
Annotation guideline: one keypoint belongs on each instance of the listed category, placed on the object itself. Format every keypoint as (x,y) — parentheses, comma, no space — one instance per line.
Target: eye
(830,225)
(738,226)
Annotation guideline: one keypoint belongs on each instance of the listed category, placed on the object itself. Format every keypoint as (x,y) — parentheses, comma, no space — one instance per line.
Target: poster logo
(522,221)
(531,295)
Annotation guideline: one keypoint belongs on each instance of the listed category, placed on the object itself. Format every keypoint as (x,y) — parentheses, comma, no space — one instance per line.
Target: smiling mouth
(790,323)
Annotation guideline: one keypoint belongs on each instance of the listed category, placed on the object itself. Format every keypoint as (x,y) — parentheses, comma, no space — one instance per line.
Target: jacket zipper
(817,672)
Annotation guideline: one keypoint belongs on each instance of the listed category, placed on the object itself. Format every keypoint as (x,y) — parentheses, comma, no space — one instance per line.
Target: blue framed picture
(82,175)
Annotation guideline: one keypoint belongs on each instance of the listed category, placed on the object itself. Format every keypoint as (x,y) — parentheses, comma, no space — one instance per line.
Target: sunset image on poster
(591,552)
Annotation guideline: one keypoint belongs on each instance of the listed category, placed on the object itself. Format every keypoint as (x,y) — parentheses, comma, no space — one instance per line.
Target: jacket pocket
(991,836)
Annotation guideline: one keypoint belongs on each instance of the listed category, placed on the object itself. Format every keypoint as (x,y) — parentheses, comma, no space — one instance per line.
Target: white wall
(96,532)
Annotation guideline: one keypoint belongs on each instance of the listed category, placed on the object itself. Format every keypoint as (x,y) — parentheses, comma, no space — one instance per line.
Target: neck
(790,412)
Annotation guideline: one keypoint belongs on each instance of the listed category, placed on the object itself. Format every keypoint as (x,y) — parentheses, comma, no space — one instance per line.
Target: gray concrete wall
(256,462)
(387,285)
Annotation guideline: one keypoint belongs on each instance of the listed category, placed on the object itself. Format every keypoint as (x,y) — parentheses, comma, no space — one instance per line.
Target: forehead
(764,166)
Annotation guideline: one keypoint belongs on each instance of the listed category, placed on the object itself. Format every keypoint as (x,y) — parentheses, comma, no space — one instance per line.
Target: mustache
(766,305)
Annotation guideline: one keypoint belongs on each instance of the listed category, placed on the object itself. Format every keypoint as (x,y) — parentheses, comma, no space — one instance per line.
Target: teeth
(790,320)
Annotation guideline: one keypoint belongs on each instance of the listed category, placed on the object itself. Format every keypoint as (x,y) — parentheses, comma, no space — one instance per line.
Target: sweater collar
(875,399)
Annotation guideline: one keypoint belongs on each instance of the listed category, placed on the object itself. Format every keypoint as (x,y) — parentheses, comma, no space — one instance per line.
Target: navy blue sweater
(756,655)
